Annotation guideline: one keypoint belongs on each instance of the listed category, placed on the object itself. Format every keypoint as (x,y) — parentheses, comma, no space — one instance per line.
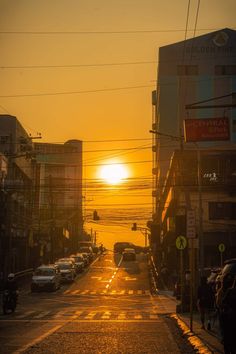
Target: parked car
(79,263)
(67,270)
(46,277)
(87,250)
(129,254)
(85,258)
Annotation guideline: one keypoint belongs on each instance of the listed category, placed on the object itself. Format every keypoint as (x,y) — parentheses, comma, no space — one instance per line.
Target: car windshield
(44,272)
(64,266)
(229,268)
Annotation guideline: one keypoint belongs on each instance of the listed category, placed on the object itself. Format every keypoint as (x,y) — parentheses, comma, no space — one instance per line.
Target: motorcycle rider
(11,285)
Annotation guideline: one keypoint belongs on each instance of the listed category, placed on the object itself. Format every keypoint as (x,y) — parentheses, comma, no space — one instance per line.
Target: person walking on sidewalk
(205,302)
(226,304)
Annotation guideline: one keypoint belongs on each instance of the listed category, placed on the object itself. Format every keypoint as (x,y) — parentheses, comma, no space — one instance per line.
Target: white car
(67,271)
(46,277)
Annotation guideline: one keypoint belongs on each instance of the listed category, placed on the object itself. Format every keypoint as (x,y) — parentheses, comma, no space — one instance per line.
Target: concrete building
(195,70)
(58,209)
(16,199)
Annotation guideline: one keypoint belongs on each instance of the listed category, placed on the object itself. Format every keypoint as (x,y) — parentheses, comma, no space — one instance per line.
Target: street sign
(221,247)
(181,242)
(190,224)
(206,129)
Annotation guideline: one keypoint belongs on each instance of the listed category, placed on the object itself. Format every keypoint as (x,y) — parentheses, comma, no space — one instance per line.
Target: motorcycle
(9,301)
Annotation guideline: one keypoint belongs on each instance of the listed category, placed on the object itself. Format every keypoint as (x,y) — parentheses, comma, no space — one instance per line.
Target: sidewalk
(211,339)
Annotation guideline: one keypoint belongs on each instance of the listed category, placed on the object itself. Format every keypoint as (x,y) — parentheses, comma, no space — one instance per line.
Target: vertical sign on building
(191,224)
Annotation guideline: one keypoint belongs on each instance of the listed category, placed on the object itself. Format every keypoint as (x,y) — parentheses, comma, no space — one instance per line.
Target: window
(187,70)
(225,70)
(221,211)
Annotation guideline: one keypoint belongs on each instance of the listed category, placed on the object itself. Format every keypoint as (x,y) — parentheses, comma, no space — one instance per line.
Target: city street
(108,309)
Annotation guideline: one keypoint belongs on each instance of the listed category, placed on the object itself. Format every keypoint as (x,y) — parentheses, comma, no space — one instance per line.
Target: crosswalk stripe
(42,314)
(85,315)
(84,292)
(60,314)
(93,293)
(122,292)
(138,317)
(113,292)
(66,292)
(122,316)
(27,313)
(130,292)
(147,292)
(90,315)
(106,315)
(74,292)
(139,292)
(153,317)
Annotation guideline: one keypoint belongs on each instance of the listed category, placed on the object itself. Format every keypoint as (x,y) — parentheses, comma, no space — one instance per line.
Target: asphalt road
(108,309)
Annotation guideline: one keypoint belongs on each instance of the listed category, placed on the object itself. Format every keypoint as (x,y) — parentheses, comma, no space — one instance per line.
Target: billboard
(207,129)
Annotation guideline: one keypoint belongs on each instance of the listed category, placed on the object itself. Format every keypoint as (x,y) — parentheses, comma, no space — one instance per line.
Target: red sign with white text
(206,129)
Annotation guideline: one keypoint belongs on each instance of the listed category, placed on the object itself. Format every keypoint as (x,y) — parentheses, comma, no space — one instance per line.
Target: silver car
(46,277)
(67,271)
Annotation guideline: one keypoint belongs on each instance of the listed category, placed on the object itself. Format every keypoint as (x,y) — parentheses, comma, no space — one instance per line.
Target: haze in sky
(79,69)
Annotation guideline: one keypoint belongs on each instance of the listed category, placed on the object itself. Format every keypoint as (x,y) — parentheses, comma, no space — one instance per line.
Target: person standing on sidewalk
(226,304)
(205,301)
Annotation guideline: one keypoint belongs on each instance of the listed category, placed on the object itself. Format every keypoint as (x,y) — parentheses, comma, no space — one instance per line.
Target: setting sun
(114,173)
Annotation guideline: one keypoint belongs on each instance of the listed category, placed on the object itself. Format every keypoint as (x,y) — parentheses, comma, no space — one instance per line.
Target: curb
(193,339)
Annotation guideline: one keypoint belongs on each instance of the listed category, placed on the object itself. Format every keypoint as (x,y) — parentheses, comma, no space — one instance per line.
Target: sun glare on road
(114,173)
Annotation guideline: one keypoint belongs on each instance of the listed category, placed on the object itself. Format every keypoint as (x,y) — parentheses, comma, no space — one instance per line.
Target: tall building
(198,70)
(16,195)
(58,209)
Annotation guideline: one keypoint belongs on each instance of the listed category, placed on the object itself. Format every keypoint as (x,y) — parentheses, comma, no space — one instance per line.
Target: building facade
(17,179)
(195,70)
(58,209)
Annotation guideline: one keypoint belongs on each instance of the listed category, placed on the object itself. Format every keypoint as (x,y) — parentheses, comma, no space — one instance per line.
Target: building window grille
(222,211)
(225,70)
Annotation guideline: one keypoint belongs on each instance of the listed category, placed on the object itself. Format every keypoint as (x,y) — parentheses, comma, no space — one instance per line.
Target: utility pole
(52,221)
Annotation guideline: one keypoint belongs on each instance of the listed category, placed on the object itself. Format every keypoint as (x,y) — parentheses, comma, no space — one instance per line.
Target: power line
(74,65)
(101,32)
(75,92)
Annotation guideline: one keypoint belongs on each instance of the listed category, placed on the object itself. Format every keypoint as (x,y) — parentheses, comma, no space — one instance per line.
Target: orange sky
(80,109)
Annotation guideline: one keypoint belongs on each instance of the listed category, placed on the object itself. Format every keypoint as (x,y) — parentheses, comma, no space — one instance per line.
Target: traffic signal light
(95,215)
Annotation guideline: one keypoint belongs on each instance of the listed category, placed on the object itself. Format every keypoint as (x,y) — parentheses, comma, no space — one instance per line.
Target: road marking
(42,314)
(67,291)
(129,279)
(84,292)
(60,314)
(138,317)
(93,293)
(122,316)
(106,315)
(113,292)
(153,316)
(122,292)
(27,313)
(139,292)
(98,278)
(130,292)
(90,315)
(38,340)
(74,292)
